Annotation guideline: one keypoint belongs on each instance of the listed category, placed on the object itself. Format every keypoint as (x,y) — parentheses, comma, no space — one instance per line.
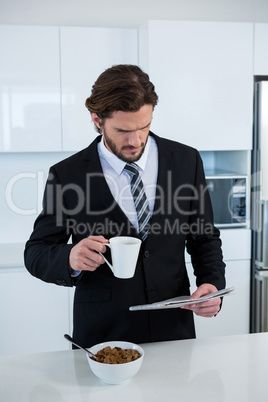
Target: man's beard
(118,152)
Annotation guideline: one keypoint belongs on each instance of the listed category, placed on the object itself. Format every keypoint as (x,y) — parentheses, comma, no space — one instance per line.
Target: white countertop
(220,369)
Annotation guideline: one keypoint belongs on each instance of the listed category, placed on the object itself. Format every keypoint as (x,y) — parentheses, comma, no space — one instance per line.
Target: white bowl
(115,373)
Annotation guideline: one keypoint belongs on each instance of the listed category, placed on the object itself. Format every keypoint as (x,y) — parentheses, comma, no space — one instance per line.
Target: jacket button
(146,254)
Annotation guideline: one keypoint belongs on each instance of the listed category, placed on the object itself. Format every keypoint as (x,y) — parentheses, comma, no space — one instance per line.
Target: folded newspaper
(181,301)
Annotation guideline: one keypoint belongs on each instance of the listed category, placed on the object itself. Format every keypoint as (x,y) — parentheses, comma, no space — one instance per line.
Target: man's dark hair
(123,87)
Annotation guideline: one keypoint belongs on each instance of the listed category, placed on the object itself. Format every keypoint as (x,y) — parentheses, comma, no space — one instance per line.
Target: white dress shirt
(118,180)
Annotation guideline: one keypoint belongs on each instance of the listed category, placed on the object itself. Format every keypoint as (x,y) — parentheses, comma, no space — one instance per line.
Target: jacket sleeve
(203,242)
(46,254)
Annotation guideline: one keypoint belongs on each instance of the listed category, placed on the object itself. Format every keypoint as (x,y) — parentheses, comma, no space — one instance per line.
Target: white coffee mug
(124,252)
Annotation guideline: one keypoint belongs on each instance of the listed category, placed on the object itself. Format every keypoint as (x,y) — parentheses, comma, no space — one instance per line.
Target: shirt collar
(116,163)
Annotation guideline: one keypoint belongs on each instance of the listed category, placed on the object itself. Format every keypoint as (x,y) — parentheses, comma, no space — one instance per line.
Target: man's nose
(134,139)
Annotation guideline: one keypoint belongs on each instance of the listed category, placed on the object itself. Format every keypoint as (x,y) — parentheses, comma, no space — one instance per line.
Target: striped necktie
(140,199)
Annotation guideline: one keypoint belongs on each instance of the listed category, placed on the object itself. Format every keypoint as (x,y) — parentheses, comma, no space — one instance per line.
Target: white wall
(128,13)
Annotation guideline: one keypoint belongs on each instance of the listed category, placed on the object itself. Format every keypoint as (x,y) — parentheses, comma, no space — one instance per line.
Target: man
(88,197)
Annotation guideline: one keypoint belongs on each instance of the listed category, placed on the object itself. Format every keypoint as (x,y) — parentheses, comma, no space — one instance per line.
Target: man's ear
(96,120)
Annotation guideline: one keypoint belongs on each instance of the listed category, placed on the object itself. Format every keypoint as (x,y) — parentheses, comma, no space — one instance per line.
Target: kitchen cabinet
(46,75)
(260,49)
(34,315)
(233,318)
(30,89)
(202,72)
(85,54)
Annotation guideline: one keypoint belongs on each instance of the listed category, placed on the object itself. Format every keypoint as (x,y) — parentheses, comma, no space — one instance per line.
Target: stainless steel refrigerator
(259,217)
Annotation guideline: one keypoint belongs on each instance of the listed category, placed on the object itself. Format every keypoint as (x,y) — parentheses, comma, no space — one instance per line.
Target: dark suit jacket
(78,203)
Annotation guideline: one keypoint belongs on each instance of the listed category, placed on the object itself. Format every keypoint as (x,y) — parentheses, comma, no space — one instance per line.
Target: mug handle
(105,259)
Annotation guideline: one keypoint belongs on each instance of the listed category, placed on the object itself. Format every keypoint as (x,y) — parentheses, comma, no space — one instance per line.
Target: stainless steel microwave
(228,195)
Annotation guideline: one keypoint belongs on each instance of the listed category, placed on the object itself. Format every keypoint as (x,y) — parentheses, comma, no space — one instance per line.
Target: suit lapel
(104,198)
(102,193)
(162,196)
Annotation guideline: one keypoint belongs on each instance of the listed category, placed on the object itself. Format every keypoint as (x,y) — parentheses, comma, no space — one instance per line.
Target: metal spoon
(70,339)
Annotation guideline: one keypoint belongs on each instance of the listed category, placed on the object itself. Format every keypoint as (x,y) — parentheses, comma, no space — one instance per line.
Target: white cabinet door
(260,49)
(30,116)
(34,315)
(202,72)
(236,244)
(85,54)
(233,318)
